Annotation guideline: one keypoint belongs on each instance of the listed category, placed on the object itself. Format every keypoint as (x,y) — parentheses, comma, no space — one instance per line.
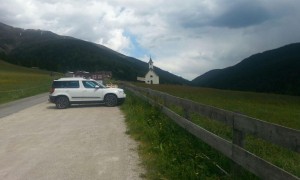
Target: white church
(151,77)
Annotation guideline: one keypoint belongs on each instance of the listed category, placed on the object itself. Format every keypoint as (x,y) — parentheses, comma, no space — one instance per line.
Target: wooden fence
(241,125)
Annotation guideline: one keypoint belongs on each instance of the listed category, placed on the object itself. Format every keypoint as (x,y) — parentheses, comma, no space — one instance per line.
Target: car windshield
(99,84)
(91,84)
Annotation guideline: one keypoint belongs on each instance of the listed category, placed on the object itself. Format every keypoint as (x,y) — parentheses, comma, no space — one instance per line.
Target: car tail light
(52,90)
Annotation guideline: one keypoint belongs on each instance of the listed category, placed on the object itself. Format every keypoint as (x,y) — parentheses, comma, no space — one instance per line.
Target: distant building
(99,75)
(82,74)
(141,79)
(69,74)
(151,77)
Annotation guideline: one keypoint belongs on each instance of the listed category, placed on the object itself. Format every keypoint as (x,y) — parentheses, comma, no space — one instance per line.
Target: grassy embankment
(169,152)
(18,82)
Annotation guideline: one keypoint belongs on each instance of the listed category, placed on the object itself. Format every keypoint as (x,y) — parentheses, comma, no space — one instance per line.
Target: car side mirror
(97,87)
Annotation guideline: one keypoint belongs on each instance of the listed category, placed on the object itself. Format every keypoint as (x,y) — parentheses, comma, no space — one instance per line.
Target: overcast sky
(187,38)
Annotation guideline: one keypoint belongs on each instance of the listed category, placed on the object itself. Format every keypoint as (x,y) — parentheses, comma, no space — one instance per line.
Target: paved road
(83,142)
(15,106)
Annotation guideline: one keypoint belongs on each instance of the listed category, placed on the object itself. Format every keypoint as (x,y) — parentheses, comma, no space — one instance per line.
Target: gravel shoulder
(81,142)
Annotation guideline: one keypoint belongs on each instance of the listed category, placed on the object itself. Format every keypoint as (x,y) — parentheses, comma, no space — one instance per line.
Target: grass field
(168,151)
(18,82)
(279,109)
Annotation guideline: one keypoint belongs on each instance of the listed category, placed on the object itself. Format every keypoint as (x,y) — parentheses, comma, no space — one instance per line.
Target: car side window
(89,84)
(65,84)
(73,84)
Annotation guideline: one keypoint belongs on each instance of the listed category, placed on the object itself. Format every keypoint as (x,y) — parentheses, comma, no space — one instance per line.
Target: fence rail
(241,125)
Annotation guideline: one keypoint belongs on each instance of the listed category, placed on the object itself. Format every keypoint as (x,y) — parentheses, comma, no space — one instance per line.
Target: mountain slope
(276,71)
(46,50)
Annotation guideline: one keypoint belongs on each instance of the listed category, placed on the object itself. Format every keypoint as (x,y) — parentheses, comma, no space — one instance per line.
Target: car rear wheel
(62,102)
(111,100)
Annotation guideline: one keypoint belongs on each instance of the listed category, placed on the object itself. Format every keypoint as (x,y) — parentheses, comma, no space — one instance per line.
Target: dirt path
(84,142)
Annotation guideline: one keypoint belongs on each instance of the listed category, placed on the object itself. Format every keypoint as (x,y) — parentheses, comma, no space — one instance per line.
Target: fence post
(165,102)
(186,114)
(186,111)
(237,139)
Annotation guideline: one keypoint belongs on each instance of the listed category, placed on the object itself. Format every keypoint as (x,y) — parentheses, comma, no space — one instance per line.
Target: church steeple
(151,67)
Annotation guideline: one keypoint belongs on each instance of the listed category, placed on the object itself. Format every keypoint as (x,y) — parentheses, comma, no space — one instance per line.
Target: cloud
(242,14)
(117,41)
(187,38)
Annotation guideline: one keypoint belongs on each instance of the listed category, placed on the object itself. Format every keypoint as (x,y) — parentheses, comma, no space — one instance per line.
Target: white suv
(67,91)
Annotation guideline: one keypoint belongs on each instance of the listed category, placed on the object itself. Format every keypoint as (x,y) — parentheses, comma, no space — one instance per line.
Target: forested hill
(275,71)
(49,51)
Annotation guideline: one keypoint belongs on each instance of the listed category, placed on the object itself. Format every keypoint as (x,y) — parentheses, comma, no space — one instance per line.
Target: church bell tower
(151,67)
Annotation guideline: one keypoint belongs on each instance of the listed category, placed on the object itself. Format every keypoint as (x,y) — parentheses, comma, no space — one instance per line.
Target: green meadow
(279,109)
(18,82)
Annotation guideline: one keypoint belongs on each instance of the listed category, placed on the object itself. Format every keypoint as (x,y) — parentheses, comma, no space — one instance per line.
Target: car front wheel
(111,100)
(62,102)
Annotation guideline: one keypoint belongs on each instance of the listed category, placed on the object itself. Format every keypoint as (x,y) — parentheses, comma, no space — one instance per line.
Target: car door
(70,88)
(91,91)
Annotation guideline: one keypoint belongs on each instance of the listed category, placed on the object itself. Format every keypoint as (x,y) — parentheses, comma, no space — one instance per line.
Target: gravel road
(81,142)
